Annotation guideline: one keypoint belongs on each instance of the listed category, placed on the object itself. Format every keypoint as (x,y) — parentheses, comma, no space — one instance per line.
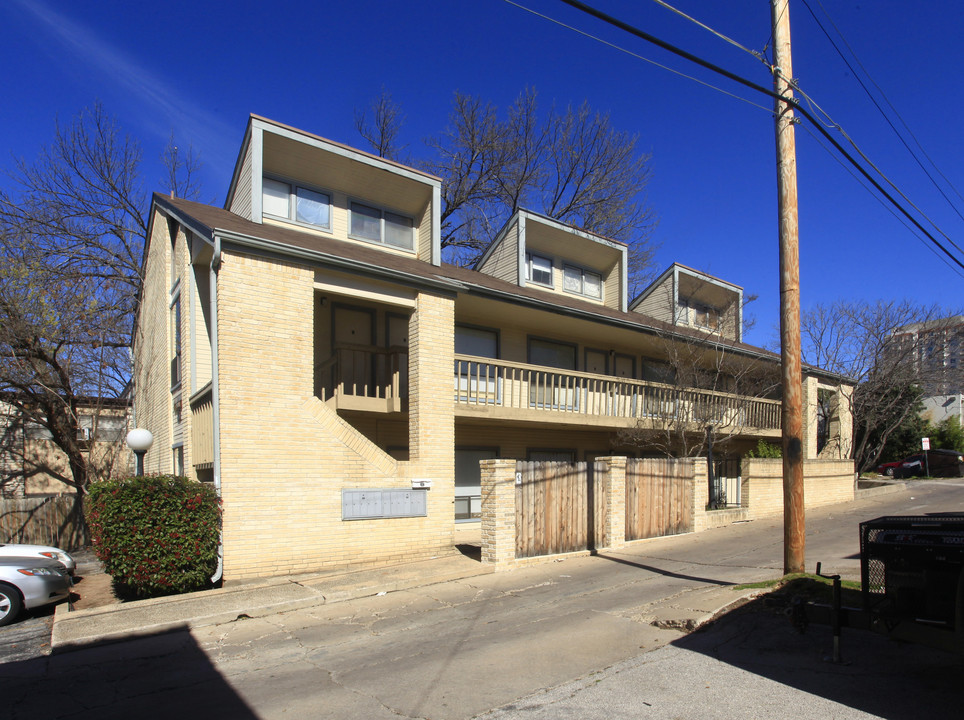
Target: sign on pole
(925,443)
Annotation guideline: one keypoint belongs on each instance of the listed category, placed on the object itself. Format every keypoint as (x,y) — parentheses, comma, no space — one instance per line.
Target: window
(178,460)
(582,282)
(539,269)
(380,226)
(107,428)
(295,203)
(176,342)
(699,315)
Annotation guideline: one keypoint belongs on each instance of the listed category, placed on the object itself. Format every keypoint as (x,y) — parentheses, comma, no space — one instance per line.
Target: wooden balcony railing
(356,374)
(202,428)
(503,384)
(363,377)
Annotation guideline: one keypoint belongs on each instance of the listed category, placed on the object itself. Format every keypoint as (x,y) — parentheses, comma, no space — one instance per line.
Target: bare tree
(382,129)
(571,165)
(701,394)
(890,349)
(71,243)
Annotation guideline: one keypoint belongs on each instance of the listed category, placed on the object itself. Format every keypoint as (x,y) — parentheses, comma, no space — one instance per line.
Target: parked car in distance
(40,551)
(888,468)
(932,463)
(30,582)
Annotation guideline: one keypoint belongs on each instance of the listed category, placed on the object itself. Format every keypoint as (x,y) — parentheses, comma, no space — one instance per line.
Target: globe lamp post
(140,440)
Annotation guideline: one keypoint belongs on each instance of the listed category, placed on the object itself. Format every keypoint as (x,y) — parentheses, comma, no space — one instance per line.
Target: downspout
(215,396)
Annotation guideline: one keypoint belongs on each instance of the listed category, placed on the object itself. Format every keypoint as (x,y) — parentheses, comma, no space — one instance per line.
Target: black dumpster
(912,568)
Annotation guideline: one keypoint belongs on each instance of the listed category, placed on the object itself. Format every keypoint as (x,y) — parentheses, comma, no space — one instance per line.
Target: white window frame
(382,212)
(292,215)
(582,281)
(530,258)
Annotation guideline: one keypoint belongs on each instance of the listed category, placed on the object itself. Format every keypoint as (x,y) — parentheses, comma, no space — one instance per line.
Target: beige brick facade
(304,381)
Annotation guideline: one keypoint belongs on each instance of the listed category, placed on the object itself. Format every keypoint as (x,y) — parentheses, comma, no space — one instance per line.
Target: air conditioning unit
(83,433)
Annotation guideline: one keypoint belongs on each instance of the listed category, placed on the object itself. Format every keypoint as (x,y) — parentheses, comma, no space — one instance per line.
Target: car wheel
(9,604)
(889,472)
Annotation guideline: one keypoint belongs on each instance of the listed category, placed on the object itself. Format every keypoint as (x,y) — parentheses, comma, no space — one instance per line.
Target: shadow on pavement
(879,676)
(660,571)
(161,675)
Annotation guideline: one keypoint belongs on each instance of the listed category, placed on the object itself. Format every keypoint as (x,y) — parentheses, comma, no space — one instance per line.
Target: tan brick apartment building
(306,349)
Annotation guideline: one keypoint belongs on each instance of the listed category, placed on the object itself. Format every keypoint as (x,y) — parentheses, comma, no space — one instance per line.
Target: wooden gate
(658,497)
(560,507)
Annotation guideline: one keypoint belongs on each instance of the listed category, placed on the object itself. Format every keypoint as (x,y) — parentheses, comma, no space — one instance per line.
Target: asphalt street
(588,637)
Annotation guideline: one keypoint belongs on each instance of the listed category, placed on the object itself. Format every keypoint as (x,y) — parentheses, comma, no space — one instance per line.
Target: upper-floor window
(381,226)
(582,282)
(176,342)
(700,315)
(295,203)
(538,269)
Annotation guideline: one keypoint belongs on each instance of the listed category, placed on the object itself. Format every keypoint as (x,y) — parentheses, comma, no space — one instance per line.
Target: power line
(615,22)
(889,104)
(637,55)
(860,181)
(755,53)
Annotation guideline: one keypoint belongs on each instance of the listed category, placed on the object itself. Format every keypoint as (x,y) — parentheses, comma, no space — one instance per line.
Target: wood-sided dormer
(687,297)
(536,251)
(285,176)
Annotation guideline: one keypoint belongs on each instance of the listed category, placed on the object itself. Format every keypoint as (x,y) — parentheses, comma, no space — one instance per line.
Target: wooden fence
(659,497)
(56,521)
(560,507)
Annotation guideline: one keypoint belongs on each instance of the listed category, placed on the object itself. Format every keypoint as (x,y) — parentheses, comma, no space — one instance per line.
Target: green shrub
(764,449)
(156,535)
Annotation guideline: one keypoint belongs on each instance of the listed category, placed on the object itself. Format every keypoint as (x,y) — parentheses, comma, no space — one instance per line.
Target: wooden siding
(658,498)
(241,200)
(503,263)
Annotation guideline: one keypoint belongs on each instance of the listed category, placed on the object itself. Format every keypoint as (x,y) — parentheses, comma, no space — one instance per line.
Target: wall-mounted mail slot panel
(372,504)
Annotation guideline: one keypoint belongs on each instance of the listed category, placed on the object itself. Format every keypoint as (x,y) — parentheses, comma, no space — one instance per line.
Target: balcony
(517,391)
(365,378)
(372,379)
(202,428)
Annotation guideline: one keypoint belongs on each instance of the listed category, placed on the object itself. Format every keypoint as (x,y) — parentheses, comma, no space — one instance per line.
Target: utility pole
(794,527)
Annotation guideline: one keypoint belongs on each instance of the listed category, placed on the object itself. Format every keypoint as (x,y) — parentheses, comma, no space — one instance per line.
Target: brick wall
(286,456)
(825,482)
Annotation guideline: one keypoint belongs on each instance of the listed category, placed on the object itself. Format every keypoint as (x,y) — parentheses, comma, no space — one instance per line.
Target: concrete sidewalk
(112,623)
(116,622)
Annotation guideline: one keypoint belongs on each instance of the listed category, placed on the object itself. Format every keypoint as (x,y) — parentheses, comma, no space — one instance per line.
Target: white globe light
(140,439)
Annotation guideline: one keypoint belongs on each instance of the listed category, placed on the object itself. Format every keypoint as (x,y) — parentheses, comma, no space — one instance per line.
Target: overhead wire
(860,180)
(636,55)
(615,22)
(889,103)
(755,53)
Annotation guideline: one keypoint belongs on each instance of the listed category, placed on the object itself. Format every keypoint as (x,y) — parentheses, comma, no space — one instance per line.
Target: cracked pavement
(560,639)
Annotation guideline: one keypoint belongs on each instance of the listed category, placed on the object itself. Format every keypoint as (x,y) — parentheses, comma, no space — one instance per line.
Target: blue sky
(199,68)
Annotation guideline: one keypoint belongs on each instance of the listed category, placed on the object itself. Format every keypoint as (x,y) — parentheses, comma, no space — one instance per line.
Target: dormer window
(539,269)
(380,226)
(700,315)
(581,282)
(295,203)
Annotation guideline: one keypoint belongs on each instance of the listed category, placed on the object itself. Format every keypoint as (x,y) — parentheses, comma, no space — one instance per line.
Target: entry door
(468,482)
(353,335)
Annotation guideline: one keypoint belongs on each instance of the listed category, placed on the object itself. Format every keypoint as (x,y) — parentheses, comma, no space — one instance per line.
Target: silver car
(42,551)
(30,582)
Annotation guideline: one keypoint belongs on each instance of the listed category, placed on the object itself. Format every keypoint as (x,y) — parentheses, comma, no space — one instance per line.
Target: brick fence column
(498,511)
(615,489)
(699,492)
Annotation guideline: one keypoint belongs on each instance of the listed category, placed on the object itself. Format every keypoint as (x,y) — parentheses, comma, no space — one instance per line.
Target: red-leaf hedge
(156,535)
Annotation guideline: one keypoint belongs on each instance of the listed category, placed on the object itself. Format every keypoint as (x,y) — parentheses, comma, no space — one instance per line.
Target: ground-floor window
(468,481)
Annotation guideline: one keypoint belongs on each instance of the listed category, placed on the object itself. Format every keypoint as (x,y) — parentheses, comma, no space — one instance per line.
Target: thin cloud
(206,131)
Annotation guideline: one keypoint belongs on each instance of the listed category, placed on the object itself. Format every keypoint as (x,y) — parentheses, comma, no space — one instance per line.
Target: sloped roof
(209,222)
